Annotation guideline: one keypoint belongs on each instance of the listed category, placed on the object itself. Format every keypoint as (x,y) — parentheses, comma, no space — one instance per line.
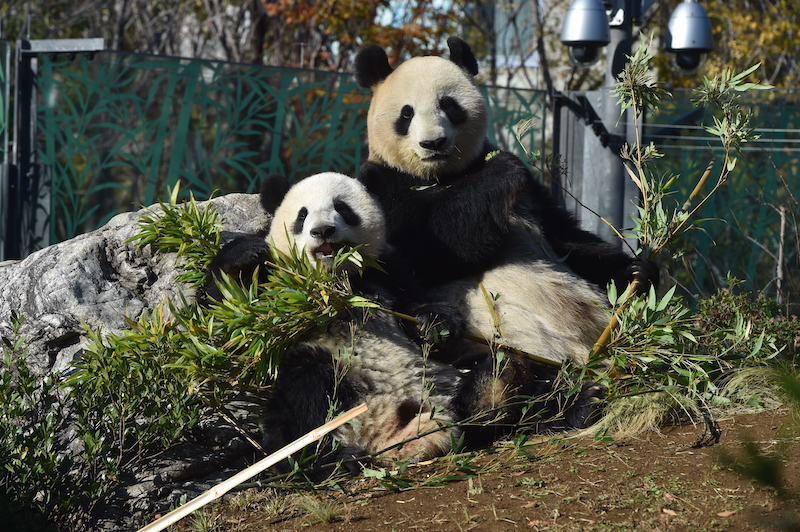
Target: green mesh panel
(116,130)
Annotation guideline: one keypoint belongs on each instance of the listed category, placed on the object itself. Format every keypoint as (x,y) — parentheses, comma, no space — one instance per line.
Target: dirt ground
(658,482)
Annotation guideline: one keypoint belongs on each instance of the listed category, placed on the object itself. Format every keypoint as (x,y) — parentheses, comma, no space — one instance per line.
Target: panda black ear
(273,189)
(461,54)
(371,66)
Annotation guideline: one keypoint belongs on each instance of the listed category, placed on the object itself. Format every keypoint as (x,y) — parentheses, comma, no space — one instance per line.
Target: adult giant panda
(369,357)
(476,226)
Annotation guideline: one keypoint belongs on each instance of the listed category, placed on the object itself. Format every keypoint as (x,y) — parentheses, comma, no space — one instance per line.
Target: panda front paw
(588,407)
(438,324)
(239,259)
(645,272)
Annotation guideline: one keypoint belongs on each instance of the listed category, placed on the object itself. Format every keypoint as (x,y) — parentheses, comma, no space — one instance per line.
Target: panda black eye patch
(300,220)
(455,113)
(348,214)
(404,120)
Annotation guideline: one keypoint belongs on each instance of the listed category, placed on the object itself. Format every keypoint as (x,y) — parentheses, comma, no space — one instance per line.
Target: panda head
(320,214)
(427,117)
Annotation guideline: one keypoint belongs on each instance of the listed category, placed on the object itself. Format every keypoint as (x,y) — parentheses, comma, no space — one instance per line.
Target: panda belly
(531,302)
(409,395)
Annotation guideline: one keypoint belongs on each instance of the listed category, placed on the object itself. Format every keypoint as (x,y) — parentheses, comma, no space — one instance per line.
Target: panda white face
(325,211)
(427,118)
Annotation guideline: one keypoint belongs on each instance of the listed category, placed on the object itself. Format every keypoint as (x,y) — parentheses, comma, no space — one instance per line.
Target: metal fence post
(28,188)
(5,92)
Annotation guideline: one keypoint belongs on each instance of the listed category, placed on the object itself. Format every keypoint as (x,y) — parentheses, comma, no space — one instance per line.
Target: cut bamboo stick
(223,487)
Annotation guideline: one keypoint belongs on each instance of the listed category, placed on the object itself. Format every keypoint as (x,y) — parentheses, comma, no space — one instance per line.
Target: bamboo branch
(223,487)
(599,347)
(601,344)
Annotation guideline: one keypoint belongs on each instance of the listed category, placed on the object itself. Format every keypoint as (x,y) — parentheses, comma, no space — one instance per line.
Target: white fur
(531,302)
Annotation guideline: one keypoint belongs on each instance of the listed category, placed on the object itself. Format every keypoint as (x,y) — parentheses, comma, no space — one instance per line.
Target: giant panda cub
(412,397)
(477,228)
(368,358)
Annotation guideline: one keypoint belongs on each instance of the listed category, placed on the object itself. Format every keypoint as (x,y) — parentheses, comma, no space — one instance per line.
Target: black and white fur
(412,397)
(477,228)
(365,358)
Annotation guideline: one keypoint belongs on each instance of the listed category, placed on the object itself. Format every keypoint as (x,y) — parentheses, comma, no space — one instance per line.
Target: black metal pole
(23,160)
(614,196)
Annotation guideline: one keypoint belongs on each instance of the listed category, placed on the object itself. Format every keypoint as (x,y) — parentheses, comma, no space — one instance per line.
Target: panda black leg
(481,420)
(521,395)
(493,398)
(561,410)
(300,402)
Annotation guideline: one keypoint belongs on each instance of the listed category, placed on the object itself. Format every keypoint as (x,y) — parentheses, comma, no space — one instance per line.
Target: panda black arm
(456,226)
(238,259)
(480,199)
(587,254)
(407,212)
(475,207)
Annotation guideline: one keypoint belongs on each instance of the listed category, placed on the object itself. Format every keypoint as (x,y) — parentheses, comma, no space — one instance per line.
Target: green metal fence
(116,130)
(742,233)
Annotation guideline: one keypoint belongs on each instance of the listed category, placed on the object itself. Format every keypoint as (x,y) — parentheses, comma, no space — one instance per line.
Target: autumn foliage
(330,32)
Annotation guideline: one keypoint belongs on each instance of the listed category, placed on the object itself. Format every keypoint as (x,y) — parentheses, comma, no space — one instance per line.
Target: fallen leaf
(725,514)
(669,512)
(670,497)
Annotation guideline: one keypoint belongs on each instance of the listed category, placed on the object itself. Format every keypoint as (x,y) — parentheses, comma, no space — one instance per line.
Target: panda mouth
(327,250)
(436,156)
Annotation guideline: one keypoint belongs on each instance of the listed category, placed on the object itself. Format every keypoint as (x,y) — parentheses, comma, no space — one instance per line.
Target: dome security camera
(689,36)
(585,31)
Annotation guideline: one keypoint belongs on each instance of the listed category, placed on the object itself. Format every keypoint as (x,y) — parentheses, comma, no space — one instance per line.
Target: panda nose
(323,231)
(435,144)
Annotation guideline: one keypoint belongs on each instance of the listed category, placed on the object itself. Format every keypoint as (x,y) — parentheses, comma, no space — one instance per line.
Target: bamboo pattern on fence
(118,129)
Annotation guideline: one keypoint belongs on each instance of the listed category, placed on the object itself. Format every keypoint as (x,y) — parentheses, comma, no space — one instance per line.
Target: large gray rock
(98,279)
